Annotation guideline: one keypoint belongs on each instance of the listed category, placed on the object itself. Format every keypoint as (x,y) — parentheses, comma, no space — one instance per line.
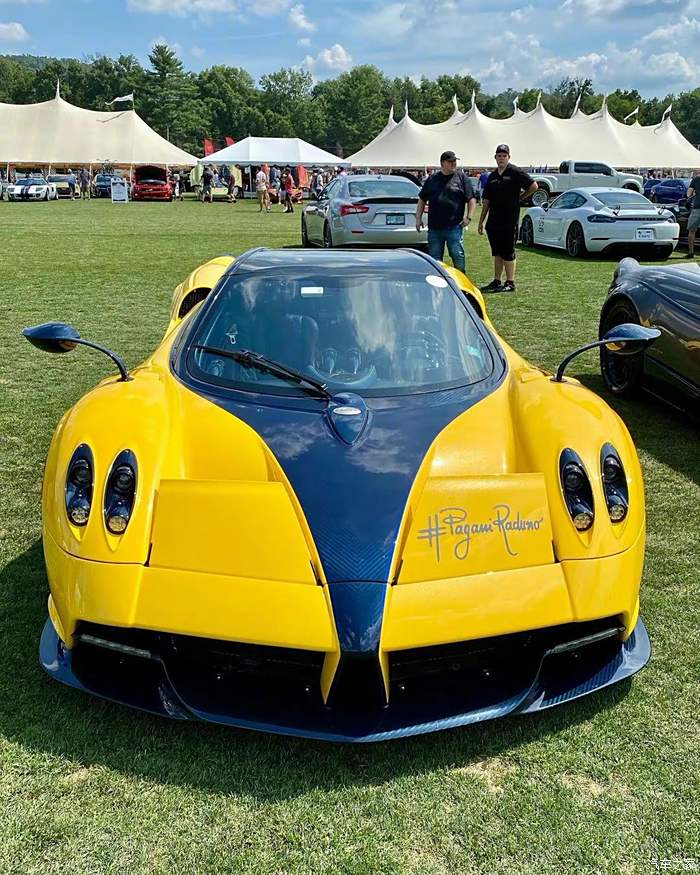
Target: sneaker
(508,286)
(690,255)
(493,286)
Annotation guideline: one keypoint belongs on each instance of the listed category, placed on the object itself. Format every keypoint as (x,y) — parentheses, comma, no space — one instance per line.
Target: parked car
(273,523)
(363,210)
(598,220)
(60,180)
(649,184)
(151,184)
(670,191)
(102,185)
(577,174)
(666,297)
(32,188)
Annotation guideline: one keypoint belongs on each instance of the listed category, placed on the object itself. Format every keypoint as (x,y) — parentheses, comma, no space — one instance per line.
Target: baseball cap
(449,155)
(503,147)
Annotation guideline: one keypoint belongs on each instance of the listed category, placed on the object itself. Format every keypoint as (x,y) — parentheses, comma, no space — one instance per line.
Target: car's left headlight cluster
(120,490)
(578,493)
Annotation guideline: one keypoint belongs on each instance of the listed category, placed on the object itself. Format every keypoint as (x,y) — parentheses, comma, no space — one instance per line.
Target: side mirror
(53,337)
(313,195)
(545,206)
(626,339)
(62,337)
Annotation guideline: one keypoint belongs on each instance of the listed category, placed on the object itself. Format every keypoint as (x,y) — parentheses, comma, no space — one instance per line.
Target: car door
(590,173)
(555,217)
(315,213)
(677,313)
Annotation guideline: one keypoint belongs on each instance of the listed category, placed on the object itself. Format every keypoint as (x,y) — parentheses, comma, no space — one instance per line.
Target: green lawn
(603,785)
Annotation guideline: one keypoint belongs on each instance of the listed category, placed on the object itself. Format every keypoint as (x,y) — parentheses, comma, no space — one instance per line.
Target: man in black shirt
(448,192)
(506,186)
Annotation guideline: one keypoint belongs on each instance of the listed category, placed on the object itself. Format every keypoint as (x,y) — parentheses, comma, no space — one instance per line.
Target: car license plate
(396,219)
(644,234)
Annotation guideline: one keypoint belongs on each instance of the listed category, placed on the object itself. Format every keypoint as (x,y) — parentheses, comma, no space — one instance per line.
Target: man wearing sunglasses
(507,187)
(452,200)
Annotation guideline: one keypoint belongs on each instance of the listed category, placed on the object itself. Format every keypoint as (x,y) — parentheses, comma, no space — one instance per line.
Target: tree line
(341,114)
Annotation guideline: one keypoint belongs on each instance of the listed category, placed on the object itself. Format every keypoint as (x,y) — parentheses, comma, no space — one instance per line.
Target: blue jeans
(454,237)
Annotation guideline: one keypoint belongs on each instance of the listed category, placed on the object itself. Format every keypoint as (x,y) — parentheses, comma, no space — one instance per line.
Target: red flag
(229,141)
(208,147)
(303,177)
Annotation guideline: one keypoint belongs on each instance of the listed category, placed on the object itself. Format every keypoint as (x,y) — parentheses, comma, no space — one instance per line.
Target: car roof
(364,177)
(404,260)
(599,189)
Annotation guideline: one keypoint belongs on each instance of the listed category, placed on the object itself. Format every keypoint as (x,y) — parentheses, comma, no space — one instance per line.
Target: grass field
(604,785)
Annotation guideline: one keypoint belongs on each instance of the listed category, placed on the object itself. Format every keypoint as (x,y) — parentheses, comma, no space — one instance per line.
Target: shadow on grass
(668,435)
(47,717)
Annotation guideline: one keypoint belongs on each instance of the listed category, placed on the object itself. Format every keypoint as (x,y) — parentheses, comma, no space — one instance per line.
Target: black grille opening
(191,300)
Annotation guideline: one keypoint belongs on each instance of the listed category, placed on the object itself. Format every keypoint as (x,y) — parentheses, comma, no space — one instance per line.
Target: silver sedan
(364,210)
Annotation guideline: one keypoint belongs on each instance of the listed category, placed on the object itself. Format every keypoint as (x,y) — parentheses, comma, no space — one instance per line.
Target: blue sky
(651,45)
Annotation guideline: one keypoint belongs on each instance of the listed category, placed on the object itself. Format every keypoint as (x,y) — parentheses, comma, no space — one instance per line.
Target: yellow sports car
(334,503)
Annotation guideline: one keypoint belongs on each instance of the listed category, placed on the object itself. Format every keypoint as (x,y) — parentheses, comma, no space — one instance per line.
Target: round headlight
(79,511)
(583,520)
(80,473)
(118,520)
(611,469)
(573,478)
(123,479)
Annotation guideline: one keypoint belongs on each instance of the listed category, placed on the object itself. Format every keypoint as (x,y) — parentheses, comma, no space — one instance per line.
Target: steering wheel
(422,354)
(345,367)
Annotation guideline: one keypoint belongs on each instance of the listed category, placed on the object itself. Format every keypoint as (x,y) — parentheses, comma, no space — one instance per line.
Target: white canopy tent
(291,151)
(535,138)
(56,133)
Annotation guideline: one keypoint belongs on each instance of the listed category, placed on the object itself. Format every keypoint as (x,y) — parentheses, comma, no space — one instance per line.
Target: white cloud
(608,7)
(183,7)
(523,14)
(197,51)
(298,19)
(336,59)
(12,32)
(683,32)
(391,23)
(304,42)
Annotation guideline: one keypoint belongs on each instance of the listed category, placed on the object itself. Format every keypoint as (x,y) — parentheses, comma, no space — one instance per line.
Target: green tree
(289,94)
(16,81)
(357,106)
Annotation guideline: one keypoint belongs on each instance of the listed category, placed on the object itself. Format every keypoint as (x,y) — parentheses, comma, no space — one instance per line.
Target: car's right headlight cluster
(120,489)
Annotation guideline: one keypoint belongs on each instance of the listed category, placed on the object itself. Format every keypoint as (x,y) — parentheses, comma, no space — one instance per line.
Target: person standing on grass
(288,180)
(207,180)
(84,184)
(261,191)
(506,188)
(451,199)
(71,183)
(694,216)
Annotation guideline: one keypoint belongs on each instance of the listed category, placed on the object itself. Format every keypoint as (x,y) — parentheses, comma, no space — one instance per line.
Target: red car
(151,184)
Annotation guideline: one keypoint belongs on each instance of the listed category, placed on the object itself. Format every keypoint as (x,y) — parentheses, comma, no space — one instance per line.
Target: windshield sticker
(311,290)
(438,281)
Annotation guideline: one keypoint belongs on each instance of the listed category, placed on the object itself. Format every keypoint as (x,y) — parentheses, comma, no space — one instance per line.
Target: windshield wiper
(256,360)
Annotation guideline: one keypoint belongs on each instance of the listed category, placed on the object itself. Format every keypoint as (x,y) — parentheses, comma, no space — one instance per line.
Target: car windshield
(623,198)
(58,179)
(103,179)
(377,188)
(367,332)
(32,180)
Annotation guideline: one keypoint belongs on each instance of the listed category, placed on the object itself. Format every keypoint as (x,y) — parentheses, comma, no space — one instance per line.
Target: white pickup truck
(582,174)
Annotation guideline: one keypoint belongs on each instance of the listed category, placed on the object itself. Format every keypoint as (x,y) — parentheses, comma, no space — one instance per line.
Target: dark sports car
(669,191)
(667,298)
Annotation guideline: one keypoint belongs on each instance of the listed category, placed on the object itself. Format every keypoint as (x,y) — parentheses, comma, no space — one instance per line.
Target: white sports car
(33,188)
(599,219)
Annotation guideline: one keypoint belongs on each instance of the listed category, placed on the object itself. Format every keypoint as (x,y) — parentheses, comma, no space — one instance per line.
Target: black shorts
(502,239)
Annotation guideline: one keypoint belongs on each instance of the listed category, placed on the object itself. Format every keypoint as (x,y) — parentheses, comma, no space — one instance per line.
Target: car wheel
(527,233)
(327,236)
(575,241)
(541,196)
(304,234)
(46,196)
(622,374)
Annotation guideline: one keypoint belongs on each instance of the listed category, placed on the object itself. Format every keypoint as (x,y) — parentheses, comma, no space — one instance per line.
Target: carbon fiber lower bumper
(224,685)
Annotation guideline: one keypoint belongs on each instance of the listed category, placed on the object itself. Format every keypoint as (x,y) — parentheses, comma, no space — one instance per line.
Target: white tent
(274,150)
(57,133)
(535,138)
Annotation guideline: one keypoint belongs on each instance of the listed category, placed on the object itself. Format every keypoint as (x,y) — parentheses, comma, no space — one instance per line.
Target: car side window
(564,167)
(579,201)
(330,190)
(584,167)
(566,201)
